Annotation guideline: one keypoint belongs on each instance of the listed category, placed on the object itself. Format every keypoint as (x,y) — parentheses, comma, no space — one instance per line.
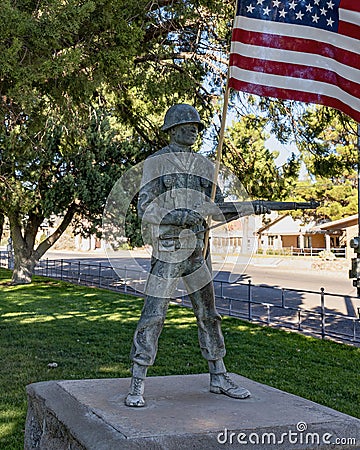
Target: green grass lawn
(88,333)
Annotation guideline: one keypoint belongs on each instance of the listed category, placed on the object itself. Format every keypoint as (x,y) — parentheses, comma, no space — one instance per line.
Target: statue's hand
(261,209)
(192,218)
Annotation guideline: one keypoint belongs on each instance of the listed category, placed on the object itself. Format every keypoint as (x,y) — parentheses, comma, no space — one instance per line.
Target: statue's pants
(162,282)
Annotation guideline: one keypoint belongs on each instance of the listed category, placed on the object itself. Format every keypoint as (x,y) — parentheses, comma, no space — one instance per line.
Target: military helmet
(180,114)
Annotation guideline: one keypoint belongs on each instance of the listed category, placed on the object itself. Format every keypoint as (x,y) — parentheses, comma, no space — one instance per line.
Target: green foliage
(325,137)
(68,71)
(58,165)
(245,153)
(327,142)
(133,226)
(337,200)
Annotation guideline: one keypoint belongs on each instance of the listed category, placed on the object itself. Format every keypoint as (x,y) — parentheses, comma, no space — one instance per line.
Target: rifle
(234,210)
(257,206)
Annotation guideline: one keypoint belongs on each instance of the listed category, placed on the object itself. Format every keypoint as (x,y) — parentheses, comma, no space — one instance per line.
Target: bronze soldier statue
(174,202)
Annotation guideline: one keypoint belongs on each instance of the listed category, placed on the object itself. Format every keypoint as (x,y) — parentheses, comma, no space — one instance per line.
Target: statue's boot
(221,382)
(135,396)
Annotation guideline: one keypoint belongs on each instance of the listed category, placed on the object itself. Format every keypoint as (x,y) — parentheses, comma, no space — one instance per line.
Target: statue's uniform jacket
(174,183)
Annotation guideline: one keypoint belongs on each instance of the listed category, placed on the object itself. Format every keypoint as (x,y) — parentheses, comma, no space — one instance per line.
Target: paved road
(270,273)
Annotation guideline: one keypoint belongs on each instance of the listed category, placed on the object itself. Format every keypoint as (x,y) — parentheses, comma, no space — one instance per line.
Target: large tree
(72,73)
(63,171)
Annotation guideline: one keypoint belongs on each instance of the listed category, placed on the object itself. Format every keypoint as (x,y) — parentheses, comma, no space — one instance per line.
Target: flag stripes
(310,63)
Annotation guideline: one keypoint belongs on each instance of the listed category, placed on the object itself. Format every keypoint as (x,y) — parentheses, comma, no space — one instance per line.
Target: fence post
(47,267)
(268,313)
(282,297)
(322,297)
(99,274)
(61,268)
(354,330)
(125,279)
(249,300)
(221,290)
(79,272)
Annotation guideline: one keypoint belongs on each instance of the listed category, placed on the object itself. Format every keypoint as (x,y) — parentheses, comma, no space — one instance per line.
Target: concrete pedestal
(181,413)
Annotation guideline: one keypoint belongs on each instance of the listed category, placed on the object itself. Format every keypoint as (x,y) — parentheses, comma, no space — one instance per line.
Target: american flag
(305,50)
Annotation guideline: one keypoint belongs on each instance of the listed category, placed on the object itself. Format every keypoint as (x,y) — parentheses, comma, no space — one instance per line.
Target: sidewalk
(287,263)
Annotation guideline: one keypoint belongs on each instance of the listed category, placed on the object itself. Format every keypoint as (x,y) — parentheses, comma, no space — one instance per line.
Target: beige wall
(351,232)
(289,241)
(318,241)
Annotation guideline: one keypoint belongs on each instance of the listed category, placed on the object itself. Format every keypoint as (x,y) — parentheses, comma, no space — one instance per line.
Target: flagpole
(218,157)
(354,272)
(357,249)
(358,169)
(220,144)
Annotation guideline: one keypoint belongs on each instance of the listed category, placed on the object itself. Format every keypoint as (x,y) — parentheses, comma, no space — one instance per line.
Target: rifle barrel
(286,206)
(234,207)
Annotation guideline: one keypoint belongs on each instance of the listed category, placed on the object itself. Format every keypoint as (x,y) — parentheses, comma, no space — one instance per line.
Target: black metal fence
(6,260)
(272,306)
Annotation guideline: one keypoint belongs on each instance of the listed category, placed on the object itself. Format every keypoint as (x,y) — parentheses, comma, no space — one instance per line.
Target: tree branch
(207,58)
(15,229)
(33,223)
(49,241)
(157,4)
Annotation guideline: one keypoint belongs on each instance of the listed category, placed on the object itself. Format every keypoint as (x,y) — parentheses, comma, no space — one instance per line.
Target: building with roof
(294,237)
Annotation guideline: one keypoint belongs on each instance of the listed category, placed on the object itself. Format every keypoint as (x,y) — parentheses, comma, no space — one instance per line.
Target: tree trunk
(2,221)
(26,256)
(23,244)
(23,269)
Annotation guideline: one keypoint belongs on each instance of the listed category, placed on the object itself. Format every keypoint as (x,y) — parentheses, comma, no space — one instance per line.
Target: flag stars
(250,9)
(315,18)
(314,13)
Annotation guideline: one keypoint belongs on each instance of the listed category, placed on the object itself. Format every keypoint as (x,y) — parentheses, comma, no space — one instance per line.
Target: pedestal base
(181,413)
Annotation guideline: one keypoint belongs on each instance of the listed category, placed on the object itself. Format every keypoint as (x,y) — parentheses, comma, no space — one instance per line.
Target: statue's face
(185,134)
